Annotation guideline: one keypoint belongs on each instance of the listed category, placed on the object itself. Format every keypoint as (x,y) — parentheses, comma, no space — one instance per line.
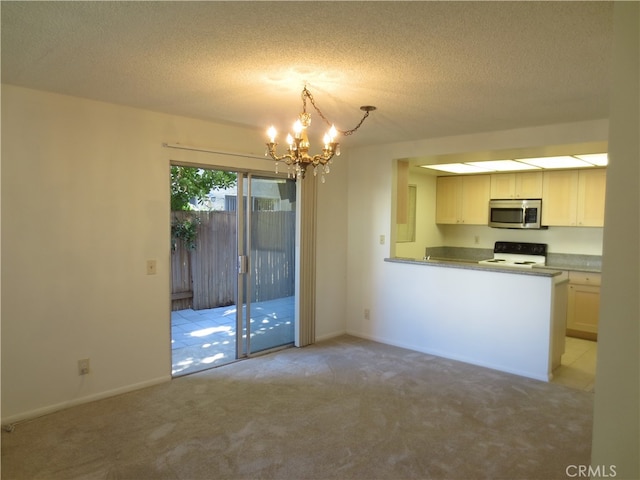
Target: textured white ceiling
(432,68)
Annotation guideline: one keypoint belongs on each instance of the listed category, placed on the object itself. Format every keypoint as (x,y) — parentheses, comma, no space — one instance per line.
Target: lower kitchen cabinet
(584,305)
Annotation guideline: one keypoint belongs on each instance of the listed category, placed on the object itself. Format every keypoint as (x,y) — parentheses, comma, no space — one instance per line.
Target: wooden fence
(206,277)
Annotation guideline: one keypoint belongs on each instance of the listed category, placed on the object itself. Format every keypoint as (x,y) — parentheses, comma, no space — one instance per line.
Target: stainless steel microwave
(525,213)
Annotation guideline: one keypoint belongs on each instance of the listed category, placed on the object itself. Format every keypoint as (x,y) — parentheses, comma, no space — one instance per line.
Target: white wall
(85,203)
(616,429)
(331,251)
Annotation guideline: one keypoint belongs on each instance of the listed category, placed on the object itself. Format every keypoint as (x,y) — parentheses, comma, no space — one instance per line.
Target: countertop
(473,265)
(573,267)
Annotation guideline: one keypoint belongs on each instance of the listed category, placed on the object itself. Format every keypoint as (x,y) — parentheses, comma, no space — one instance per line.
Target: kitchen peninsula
(504,318)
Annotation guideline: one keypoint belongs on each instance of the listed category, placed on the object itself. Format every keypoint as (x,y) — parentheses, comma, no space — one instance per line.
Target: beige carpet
(342,409)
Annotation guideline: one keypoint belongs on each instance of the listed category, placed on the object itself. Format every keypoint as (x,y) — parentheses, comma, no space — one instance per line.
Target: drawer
(584,278)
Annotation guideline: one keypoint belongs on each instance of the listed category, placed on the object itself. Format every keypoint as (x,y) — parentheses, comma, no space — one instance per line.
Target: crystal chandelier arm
(322,158)
(271,151)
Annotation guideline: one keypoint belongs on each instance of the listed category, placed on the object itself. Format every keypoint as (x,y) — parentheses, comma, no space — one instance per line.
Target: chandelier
(297,157)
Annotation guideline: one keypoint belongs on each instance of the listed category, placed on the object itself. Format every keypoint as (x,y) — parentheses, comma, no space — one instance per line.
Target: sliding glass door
(233,268)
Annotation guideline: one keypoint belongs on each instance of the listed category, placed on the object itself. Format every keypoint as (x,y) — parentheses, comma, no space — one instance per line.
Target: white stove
(518,254)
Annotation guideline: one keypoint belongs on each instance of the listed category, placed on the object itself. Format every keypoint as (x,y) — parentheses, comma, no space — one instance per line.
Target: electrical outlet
(83,366)
(381,239)
(476,239)
(151,267)
(367,314)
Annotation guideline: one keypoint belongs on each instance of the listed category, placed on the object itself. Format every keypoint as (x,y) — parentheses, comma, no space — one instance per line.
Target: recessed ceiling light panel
(598,159)
(457,168)
(503,165)
(556,162)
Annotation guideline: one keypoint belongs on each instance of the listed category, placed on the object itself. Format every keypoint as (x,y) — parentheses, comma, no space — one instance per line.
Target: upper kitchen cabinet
(591,190)
(560,198)
(573,198)
(463,199)
(516,185)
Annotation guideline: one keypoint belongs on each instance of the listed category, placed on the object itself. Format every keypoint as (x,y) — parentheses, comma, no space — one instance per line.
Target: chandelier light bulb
(289,140)
(271,133)
(297,128)
(333,133)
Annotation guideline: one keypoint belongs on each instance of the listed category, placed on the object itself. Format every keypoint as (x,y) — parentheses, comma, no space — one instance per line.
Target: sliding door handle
(243,264)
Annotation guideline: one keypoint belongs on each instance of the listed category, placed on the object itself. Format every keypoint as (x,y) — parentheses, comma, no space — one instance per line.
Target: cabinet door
(528,185)
(582,311)
(559,198)
(475,199)
(448,196)
(591,195)
(503,185)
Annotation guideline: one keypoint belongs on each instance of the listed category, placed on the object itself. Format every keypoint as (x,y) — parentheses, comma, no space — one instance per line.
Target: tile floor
(578,364)
(202,339)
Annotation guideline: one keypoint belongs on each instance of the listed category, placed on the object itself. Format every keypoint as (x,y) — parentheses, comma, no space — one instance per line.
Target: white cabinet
(573,198)
(584,305)
(516,185)
(463,199)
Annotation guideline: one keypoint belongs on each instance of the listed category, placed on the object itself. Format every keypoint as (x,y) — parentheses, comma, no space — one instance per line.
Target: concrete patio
(202,339)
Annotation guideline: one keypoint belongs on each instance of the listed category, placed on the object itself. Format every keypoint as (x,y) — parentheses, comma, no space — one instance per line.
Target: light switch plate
(151,267)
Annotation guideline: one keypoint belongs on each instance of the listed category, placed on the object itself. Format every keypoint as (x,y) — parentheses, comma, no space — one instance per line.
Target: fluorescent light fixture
(598,159)
(503,165)
(556,162)
(457,168)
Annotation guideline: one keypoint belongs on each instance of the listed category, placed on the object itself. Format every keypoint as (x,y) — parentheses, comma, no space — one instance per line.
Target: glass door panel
(270,285)
(203,268)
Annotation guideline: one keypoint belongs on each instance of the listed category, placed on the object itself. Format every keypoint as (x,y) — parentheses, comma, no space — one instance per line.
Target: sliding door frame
(305,244)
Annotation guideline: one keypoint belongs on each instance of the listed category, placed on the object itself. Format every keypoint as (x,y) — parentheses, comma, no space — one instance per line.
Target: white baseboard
(328,336)
(39,412)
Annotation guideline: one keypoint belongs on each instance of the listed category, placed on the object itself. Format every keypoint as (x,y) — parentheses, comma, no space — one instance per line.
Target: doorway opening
(233,267)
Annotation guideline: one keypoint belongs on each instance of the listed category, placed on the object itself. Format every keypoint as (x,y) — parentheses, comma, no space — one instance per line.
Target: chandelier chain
(306,93)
